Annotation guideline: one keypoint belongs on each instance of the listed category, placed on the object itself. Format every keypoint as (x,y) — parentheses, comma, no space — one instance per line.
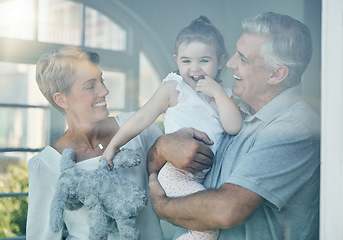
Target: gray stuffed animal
(112,201)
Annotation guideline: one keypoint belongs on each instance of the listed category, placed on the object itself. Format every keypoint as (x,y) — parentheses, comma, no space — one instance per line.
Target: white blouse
(44,171)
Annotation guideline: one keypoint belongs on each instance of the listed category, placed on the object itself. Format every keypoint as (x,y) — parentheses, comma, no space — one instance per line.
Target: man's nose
(232,62)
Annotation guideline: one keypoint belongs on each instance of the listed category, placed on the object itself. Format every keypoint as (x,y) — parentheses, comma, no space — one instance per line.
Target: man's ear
(278,75)
(60,100)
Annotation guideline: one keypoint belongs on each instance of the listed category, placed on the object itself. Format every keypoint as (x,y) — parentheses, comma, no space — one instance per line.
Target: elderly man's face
(251,75)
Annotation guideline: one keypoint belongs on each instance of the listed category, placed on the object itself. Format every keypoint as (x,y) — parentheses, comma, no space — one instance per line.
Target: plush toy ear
(68,159)
(126,158)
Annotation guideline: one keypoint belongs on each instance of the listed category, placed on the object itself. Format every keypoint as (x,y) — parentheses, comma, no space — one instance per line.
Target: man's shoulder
(304,114)
(297,121)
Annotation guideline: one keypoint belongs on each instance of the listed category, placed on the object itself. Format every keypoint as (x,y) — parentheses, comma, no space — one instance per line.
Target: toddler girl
(190,98)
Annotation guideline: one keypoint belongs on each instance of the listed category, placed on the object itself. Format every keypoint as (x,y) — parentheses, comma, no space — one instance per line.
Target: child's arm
(165,96)
(229,114)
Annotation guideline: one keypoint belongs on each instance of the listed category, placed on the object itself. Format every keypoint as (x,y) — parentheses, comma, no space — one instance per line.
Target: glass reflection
(59,21)
(17,19)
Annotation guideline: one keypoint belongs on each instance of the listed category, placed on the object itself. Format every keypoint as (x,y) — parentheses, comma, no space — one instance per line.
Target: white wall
(331,220)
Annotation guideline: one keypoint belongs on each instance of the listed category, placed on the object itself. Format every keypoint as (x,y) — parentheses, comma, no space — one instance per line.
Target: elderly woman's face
(86,101)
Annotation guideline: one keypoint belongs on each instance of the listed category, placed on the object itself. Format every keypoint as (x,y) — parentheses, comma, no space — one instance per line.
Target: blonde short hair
(55,71)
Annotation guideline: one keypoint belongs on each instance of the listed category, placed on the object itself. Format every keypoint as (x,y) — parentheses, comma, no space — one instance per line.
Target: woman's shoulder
(47,157)
(122,117)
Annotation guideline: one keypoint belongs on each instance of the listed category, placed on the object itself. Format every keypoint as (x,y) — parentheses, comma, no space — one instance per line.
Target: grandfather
(264,183)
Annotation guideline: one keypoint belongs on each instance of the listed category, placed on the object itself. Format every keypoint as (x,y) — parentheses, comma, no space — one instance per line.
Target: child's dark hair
(202,30)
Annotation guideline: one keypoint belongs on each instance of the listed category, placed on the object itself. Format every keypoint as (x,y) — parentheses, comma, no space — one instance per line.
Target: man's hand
(157,195)
(185,149)
(226,207)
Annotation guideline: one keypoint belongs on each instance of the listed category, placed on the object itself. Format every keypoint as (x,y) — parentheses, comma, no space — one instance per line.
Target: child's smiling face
(195,60)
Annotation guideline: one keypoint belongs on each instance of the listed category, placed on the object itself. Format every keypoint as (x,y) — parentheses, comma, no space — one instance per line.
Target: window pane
(59,21)
(115,83)
(18,85)
(149,80)
(17,19)
(101,32)
(13,211)
(23,127)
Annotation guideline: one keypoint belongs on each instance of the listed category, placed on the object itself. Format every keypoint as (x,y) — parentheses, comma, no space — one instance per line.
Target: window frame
(140,39)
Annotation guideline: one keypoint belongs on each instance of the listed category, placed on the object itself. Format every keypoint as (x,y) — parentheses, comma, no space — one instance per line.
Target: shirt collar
(276,105)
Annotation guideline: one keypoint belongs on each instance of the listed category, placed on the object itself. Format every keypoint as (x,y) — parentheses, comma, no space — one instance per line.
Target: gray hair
(55,71)
(289,43)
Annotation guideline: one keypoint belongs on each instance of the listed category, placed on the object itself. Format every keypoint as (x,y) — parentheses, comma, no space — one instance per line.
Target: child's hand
(108,155)
(209,87)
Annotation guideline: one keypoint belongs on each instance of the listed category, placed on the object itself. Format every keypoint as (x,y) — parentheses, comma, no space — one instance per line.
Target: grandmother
(71,81)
